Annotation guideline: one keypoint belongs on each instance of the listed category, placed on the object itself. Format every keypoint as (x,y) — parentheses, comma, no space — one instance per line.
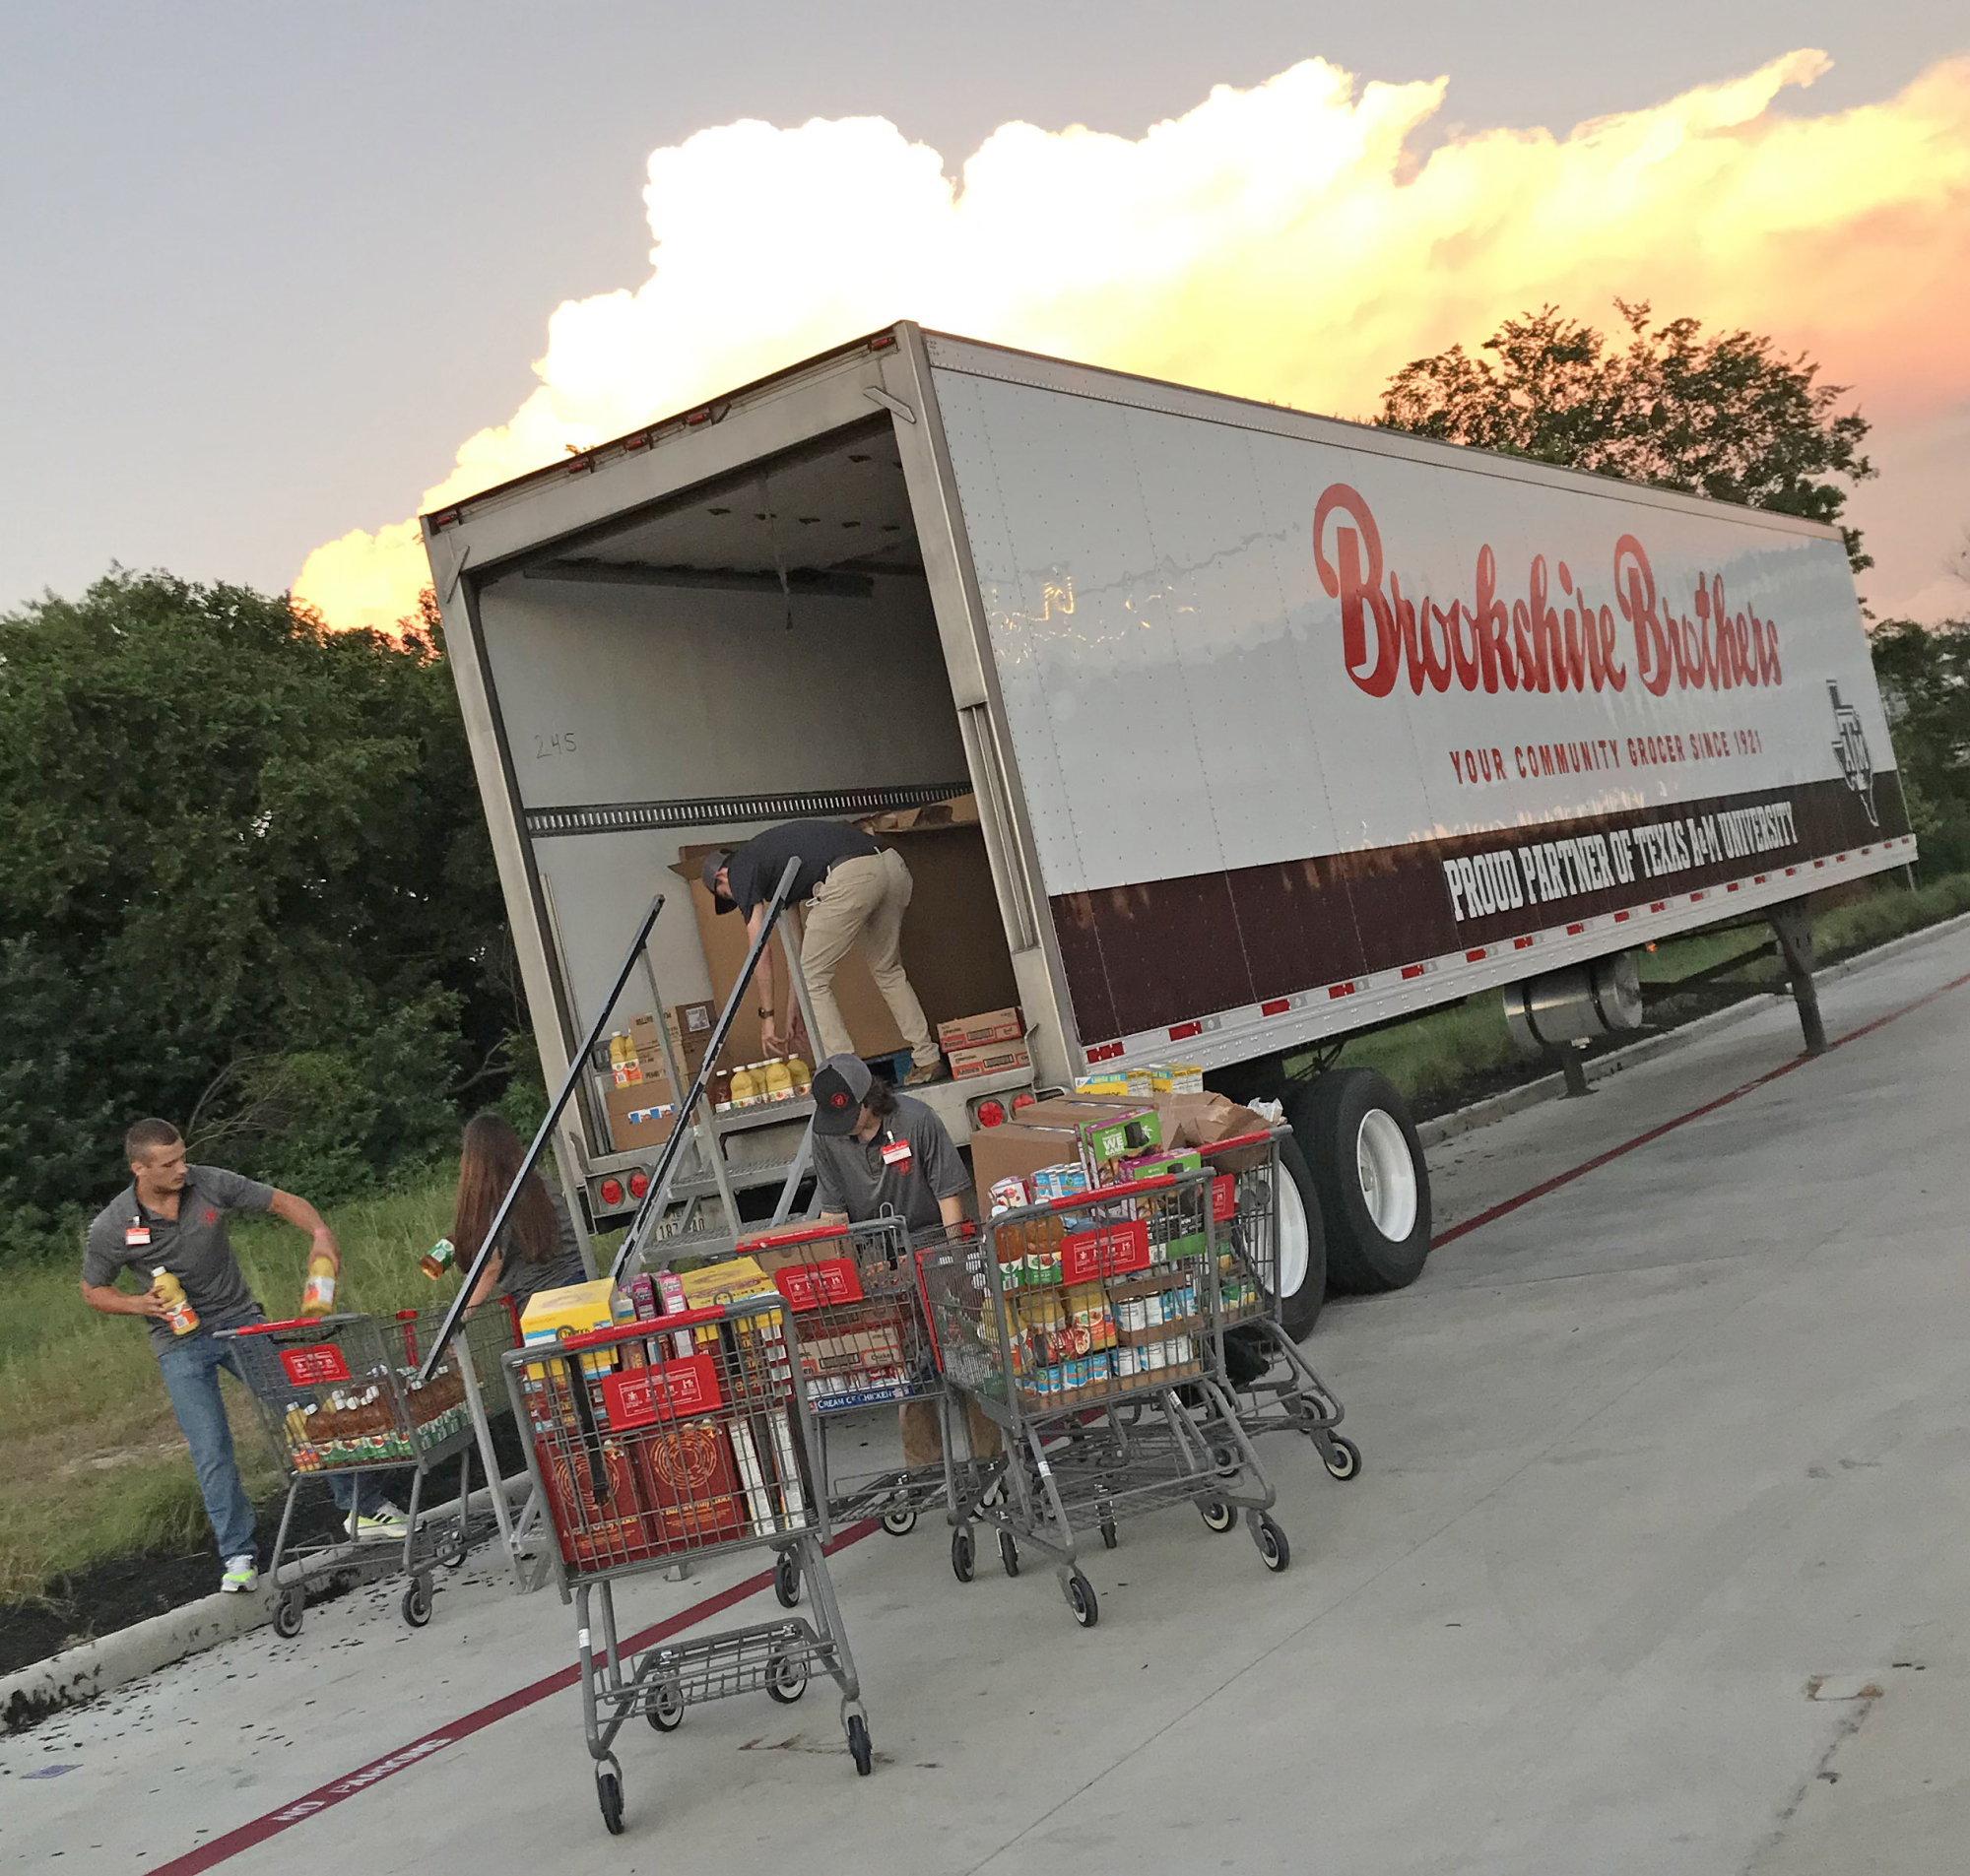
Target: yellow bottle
(318,1292)
(800,1073)
(745,1087)
(178,1311)
(779,1081)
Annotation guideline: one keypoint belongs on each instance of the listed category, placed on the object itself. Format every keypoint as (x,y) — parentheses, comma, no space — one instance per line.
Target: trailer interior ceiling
(750,651)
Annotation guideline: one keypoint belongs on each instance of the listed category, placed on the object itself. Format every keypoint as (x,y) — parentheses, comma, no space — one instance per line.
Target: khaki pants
(923,1433)
(864,897)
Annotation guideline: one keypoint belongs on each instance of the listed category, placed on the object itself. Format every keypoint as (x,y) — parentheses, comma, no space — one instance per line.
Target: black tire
(1328,1119)
(609,1795)
(860,1748)
(1274,1550)
(1342,1457)
(786,1682)
(1081,1598)
(665,1715)
(899,1523)
(962,1557)
(1299,1308)
(787,1579)
(418,1602)
(1217,1515)
(1009,1554)
(289,1614)
(1109,1539)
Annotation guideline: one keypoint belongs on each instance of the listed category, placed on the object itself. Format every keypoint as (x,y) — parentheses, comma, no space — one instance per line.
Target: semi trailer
(1246,730)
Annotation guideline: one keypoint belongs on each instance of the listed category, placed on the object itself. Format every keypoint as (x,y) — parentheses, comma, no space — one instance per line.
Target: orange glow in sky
(1282,243)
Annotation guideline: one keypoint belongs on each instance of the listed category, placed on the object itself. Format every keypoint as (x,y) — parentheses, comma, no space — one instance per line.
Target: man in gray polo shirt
(173,1216)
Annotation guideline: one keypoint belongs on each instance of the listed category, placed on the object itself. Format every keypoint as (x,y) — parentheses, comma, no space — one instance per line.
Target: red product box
(1225,1198)
(662,1391)
(310,1367)
(690,1484)
(807,1286)
(1110,1249)
(605,1524)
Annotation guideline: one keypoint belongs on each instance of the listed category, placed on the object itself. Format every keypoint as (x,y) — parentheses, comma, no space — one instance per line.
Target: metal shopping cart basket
(650,1444)
(338,1396)
(1090,1329)
(1274,1385)
(865,1344)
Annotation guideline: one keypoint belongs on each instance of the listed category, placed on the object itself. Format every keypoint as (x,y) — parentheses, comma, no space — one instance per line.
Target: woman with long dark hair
(537,1248)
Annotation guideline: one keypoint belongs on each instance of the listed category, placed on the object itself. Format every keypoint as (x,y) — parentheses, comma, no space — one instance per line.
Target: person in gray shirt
(172,1216)
(877,1153)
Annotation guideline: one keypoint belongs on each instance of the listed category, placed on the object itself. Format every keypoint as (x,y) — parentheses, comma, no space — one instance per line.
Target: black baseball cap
(714,864)
(840,1085)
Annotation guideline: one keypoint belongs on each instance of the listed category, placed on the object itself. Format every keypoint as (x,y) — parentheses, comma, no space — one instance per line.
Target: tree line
(244,877)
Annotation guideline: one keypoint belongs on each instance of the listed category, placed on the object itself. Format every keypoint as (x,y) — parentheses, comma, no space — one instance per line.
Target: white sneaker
(241,1574)
(385,1522)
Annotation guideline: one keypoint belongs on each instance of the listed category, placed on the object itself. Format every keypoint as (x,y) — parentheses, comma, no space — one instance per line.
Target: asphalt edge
(78,1674)
(92,1668)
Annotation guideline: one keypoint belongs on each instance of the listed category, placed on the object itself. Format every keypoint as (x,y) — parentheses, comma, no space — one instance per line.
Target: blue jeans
(190,1368)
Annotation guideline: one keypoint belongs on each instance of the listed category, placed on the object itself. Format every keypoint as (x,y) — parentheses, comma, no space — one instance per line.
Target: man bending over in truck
(173,1217)
(854,888)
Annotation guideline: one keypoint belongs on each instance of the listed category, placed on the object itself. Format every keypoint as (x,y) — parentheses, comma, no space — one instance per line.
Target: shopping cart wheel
(1340,1455)
(859,1746)
(962,1556)
(899,1523)
(1274,1550)
(665,1709)
(786,1679)
(1009,1553)
(1108,1538)
(1217,1515)
(609,1795)
(418,1602)
(787,1578)
(450,1550)
(289,1613)
(1225,1459)
(1080,1599)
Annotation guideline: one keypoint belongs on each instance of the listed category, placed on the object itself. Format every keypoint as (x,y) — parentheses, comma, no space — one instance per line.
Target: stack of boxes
(640,1101)
(994,1042)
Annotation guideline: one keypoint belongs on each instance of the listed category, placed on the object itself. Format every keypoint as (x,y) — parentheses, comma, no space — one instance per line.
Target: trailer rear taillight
(988,1114)
(640,1184)
(882,342)
(612,1192)
(1021,1102)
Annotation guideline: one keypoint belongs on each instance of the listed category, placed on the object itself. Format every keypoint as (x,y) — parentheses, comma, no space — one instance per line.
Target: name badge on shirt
(136,1237)
(896,1155)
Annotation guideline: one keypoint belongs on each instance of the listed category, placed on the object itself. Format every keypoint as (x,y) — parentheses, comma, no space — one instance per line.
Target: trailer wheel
(1303,1263)
(1370,1172)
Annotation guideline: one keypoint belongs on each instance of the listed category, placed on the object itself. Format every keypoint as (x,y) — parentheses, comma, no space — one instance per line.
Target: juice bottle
(437,1260)
(721,1090)
(178,1312)
(745,1087)
(779,1081)
(318,1292)
(801,1076)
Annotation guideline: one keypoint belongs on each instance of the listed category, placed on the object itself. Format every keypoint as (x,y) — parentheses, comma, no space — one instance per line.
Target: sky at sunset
(1282,204)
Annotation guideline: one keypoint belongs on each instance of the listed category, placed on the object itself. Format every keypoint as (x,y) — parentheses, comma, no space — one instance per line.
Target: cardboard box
(991,1057)
(637,1114)
(1020,1148)
(811,1271)
(973,1032)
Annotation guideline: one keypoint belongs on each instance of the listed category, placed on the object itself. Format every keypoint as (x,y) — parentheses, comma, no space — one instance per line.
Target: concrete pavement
(1656,1564)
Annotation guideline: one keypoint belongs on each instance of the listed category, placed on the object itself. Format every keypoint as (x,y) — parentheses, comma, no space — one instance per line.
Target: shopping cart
(865,1344)
(1274,1385)
(1088,1330)
(338,1396)
(648,1445)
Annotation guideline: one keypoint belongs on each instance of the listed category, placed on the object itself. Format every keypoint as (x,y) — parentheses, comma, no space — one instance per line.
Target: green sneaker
(386,1522)
(241,1574)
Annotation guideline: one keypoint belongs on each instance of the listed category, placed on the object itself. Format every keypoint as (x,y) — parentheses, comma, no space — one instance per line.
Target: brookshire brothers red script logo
(1541,642)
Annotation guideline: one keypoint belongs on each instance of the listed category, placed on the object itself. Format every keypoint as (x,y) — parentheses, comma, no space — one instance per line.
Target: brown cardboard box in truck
(992,1058)
(954,940)
(640,1099)
(973,1032)
(1019,1150)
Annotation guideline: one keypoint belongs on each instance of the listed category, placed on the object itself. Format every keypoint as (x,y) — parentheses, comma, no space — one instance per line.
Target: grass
(96,1466)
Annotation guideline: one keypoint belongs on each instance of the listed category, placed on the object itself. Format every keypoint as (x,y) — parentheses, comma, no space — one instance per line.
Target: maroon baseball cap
(840,1085)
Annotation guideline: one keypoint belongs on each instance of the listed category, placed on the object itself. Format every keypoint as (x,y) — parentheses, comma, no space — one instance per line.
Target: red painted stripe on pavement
(1509,1206)
(353,1784)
